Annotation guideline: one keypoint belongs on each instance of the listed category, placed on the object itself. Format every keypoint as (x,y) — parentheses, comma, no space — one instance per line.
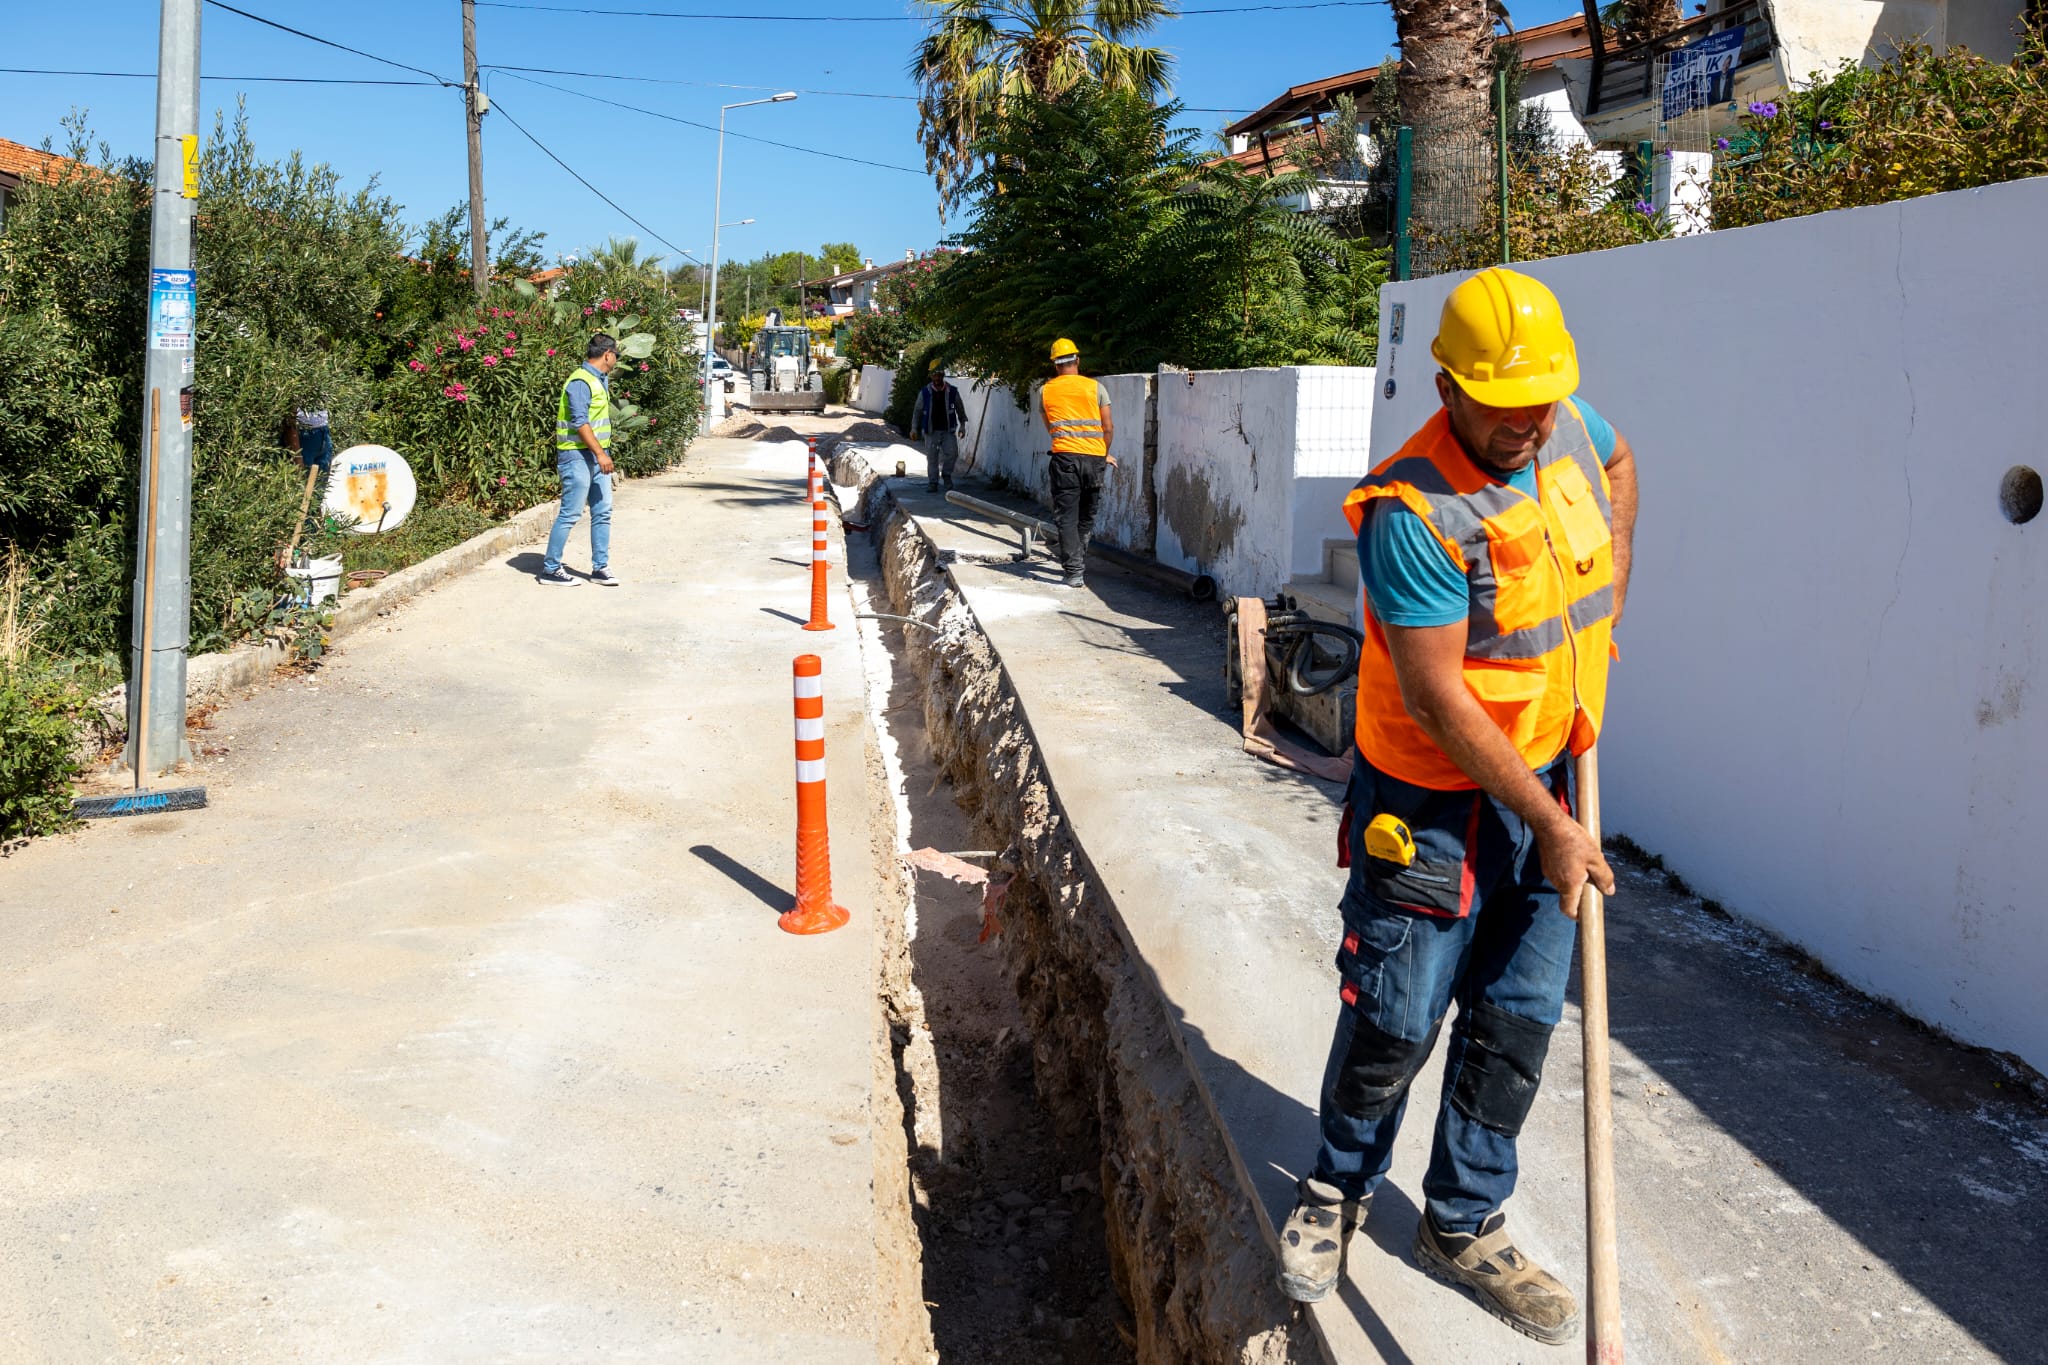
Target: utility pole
(163,525)
(475,104)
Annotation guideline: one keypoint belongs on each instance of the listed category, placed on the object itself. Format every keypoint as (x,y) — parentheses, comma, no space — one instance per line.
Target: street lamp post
(718,208)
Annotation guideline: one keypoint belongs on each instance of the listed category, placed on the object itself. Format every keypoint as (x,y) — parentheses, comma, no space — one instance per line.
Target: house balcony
(1628,104)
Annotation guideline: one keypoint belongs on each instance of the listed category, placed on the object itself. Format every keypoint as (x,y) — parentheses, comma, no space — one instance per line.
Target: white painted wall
(871,391)
(1250,476)
(1823,715)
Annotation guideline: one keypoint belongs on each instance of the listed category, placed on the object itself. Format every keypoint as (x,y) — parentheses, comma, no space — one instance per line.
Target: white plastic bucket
(315,581)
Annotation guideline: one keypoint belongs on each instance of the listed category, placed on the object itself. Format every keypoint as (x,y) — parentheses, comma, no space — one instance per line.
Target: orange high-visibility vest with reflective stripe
(1541,572)
(1073,415)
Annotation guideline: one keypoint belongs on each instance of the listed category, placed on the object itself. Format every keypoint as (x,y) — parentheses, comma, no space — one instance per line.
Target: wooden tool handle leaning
(1603,1259)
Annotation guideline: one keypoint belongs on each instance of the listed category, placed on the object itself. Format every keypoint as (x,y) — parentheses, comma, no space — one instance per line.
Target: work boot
(1312,1239)
(1507,1284)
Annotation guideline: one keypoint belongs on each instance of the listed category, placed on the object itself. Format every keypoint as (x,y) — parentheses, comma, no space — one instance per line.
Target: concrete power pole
(163,534)
(475,103)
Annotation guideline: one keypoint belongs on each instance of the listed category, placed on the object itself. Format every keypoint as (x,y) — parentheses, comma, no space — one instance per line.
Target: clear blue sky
(660,172)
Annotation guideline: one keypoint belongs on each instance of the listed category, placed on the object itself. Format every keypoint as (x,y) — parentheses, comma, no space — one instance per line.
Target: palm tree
(1446,67)
(981,52)
(620,257)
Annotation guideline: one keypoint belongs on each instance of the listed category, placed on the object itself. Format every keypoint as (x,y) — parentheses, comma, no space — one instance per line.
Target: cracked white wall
(1823,714)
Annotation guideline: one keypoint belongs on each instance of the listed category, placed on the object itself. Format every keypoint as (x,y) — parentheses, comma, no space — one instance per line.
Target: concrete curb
(211,675)
(216,675)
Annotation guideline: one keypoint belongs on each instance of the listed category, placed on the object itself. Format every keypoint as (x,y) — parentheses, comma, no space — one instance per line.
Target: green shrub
(839,383)
(39,726)
(1921,123)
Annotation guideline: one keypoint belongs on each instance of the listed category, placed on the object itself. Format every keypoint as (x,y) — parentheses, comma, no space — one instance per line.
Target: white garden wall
(1823,711)
(1249,475)
(1253,468)
(871,390)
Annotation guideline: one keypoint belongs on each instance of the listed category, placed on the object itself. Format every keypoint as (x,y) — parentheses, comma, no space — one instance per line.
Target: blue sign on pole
(1702,73)
(173,307)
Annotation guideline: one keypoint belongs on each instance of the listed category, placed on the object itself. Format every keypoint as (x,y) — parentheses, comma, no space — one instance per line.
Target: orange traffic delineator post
(817,471)
(819,555)
(814,913)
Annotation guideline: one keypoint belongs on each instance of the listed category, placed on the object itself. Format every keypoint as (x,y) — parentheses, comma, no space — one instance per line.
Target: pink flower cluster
(456,391)
(464,340)
(415,365)
(490,359)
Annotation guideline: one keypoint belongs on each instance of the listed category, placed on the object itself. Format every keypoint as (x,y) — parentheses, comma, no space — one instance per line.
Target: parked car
(721,369)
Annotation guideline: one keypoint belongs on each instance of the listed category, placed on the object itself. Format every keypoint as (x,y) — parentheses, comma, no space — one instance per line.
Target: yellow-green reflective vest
(600,412)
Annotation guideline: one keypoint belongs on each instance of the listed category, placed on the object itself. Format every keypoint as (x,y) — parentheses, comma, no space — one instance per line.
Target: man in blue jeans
(583,439)
(1494,548)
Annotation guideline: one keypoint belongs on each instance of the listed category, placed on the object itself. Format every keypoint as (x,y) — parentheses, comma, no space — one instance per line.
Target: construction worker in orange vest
(1494,551)
(1077,416)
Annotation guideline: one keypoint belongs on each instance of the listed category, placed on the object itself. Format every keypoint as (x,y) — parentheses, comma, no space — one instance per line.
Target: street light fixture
(717,210)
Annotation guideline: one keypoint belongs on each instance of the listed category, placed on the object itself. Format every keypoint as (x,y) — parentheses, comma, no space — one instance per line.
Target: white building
(1782,45)
(1261,141)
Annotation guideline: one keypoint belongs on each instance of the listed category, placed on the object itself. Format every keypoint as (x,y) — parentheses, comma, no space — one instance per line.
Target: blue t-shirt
(1409,580)
(579,395)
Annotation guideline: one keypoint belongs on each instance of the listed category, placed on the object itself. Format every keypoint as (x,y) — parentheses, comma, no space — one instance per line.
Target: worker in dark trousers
(1494,549)
(941,417)
(1077,416)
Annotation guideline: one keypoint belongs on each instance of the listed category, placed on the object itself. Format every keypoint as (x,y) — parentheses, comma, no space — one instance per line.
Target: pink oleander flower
(643,367)
(437,350)
(509,353)
(415,365)
(501,481)
(551,350)
(588,311)
(466,343)
(490,360)
(511,336)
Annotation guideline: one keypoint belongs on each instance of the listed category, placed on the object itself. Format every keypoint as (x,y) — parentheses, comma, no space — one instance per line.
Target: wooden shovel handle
(1603,1259)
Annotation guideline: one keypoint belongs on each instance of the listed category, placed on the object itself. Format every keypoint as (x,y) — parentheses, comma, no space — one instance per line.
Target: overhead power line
(882,18)
(498,107)
(710,85)
(329,42)
(151,75)
(712,128)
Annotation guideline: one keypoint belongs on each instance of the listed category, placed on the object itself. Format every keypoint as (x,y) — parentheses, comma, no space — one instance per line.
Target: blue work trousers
(582,484)
(1407,953)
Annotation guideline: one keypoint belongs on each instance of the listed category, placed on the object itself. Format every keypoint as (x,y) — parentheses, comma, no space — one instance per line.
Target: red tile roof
(1313,97)
(19,163)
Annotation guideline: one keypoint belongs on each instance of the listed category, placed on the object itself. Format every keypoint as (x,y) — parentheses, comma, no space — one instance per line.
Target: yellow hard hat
(1064,349)
(1502,339)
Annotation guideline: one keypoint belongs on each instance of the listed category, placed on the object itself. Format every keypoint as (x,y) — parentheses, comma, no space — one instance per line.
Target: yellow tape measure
(1388,838)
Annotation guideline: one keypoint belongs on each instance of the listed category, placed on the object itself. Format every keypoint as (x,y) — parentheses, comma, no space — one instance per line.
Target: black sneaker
(560,578)
(931,488)
(1072,580)
(603,578)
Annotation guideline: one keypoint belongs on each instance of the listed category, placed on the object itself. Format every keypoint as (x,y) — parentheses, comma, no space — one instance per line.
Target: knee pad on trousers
(1378,1068)
(1501,1068)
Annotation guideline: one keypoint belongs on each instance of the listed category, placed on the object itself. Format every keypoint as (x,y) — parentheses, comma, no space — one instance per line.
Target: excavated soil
(1041,1068)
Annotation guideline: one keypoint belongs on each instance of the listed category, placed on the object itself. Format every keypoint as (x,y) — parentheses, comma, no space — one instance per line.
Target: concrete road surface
(458,1028)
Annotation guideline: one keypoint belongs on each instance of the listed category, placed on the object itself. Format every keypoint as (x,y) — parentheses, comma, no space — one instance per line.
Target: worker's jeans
(1076,493)
(1512,951)
(582,483)
(941,453)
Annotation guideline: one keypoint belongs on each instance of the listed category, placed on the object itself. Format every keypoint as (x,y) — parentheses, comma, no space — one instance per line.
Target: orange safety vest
(1073,414)
(1541,572)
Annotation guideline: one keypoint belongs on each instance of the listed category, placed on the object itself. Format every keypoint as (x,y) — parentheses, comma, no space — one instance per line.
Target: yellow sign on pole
(190,143)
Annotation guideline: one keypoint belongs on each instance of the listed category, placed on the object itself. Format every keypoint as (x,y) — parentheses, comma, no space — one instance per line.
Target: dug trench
(1073,1199)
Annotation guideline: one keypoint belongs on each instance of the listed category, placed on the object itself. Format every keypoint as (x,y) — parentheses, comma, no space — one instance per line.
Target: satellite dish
(372,484)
